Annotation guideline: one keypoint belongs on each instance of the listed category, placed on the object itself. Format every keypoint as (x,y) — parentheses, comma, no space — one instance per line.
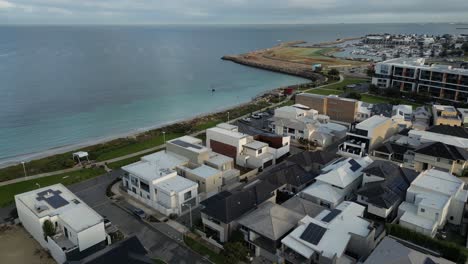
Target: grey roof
(287,173)
(382,109)
(271,220)
(390,251)
(392,190)
(303,207)
(455,131)
(441,150)
(307,158)
(227,206)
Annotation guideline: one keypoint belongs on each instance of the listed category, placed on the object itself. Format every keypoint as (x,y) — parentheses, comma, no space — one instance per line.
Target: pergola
(79,155)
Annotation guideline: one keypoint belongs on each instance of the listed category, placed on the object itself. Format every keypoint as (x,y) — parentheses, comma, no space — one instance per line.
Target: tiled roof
(438,149)
(450,131)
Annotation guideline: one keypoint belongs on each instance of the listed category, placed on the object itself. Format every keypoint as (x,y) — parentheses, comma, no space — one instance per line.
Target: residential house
(445,115)
(155,182)
(464,116)
(313,161)
(341,235)
(288,177)
(337,108)
(337,182)
(364,111)
(390,251)
(384,186)
(221,212)
(403,115)
(442,156)
(421,118)
(127,251)
(365,136)
(300,122)
(79,230)
(245,151)
(434,198)
(264,228)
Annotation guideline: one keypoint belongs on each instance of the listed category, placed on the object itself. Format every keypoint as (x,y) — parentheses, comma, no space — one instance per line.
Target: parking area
(255,125)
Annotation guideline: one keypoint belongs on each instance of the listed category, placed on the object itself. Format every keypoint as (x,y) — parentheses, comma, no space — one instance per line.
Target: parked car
(246,119)
(139,213)
(256,116)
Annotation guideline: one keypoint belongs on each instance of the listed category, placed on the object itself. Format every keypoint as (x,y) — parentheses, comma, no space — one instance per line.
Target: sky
(230,11)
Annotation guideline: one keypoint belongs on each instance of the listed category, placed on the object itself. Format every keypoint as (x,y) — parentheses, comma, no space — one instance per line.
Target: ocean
(66,85)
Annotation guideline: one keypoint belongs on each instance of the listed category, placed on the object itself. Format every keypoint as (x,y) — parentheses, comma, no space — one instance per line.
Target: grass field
(324,91)
(311,56)
(8,192)
(373,99)
(345,82)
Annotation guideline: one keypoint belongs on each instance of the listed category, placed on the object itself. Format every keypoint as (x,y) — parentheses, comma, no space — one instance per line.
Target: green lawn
(324,91)
(8,192)
(373,99)
(204,251)
(345,82)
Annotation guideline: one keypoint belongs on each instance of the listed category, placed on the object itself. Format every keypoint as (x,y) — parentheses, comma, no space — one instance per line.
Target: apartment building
(364,136)
(434,198)
(341,235)
(337,108)
(413,75)
(445,115)
(78,228)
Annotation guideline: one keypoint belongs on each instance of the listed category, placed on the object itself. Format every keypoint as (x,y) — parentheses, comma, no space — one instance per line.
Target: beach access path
(149,150)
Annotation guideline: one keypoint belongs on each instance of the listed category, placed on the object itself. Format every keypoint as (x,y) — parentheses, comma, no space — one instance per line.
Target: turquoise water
(65,85)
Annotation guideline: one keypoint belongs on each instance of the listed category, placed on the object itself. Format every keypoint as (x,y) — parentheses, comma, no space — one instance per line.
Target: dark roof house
(128,251)
(307,159)
(455,131)
(441,150)
(287,173)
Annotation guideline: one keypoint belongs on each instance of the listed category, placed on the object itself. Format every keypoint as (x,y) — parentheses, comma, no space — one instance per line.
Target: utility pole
(24,169)
(164,139)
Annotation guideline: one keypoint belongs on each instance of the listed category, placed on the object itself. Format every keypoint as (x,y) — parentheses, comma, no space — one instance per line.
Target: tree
(333,72)
(354,95)
(48,228)
(464,46)
(370,71)
(373,89)
(235,252)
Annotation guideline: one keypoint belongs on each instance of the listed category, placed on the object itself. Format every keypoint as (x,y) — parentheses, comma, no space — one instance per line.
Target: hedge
(448,250)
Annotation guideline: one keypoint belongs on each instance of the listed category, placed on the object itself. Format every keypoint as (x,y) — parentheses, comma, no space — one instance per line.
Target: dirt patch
(16,246)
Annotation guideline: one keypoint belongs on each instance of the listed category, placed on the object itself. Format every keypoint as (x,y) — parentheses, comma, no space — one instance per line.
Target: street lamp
(38,185)
(24,169)
(190,212)
(228,116)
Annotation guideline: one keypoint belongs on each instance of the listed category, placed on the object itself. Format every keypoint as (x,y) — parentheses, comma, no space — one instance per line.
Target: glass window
(423,210)
(187,195)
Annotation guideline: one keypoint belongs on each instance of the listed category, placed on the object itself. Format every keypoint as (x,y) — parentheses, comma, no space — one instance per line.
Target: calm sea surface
(66,85)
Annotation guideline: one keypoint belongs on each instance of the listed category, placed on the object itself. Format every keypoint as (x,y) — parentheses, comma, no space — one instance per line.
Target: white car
(246,119)
(256,116)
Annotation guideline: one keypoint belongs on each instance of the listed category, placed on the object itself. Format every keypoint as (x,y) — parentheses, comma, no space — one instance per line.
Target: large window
(187,195)
(144,186)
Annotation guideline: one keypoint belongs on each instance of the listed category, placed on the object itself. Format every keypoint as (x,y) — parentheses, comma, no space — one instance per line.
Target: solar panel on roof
(354,165)
(53,198)
(186,144)
(330,216)
(313,233)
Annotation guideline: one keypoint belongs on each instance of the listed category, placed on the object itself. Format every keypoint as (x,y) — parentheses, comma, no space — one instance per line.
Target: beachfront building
(364,136)
(413,75)
(78,228)
(341,235)
(337,108)
(301,122)
(154,181)
(445,115)
(384,186)
(337,182)
(434,198)
(244,149)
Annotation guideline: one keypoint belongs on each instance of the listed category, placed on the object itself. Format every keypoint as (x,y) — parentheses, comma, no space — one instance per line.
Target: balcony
(293,257)
(63,242)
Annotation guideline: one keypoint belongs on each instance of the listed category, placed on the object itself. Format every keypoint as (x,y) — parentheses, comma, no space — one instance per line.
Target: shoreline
(15,160)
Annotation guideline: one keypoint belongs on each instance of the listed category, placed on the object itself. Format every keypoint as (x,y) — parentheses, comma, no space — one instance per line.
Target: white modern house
(421,118)
(433,199)
(330,236)
(154,181)
(301,122)
(244,149)
(364,136)
(402,115)
(337,182)
(77,226)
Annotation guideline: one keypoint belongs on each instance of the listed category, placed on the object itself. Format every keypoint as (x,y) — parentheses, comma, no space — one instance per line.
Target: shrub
(448,250)
(235,252)
(48,228)
(354,95)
